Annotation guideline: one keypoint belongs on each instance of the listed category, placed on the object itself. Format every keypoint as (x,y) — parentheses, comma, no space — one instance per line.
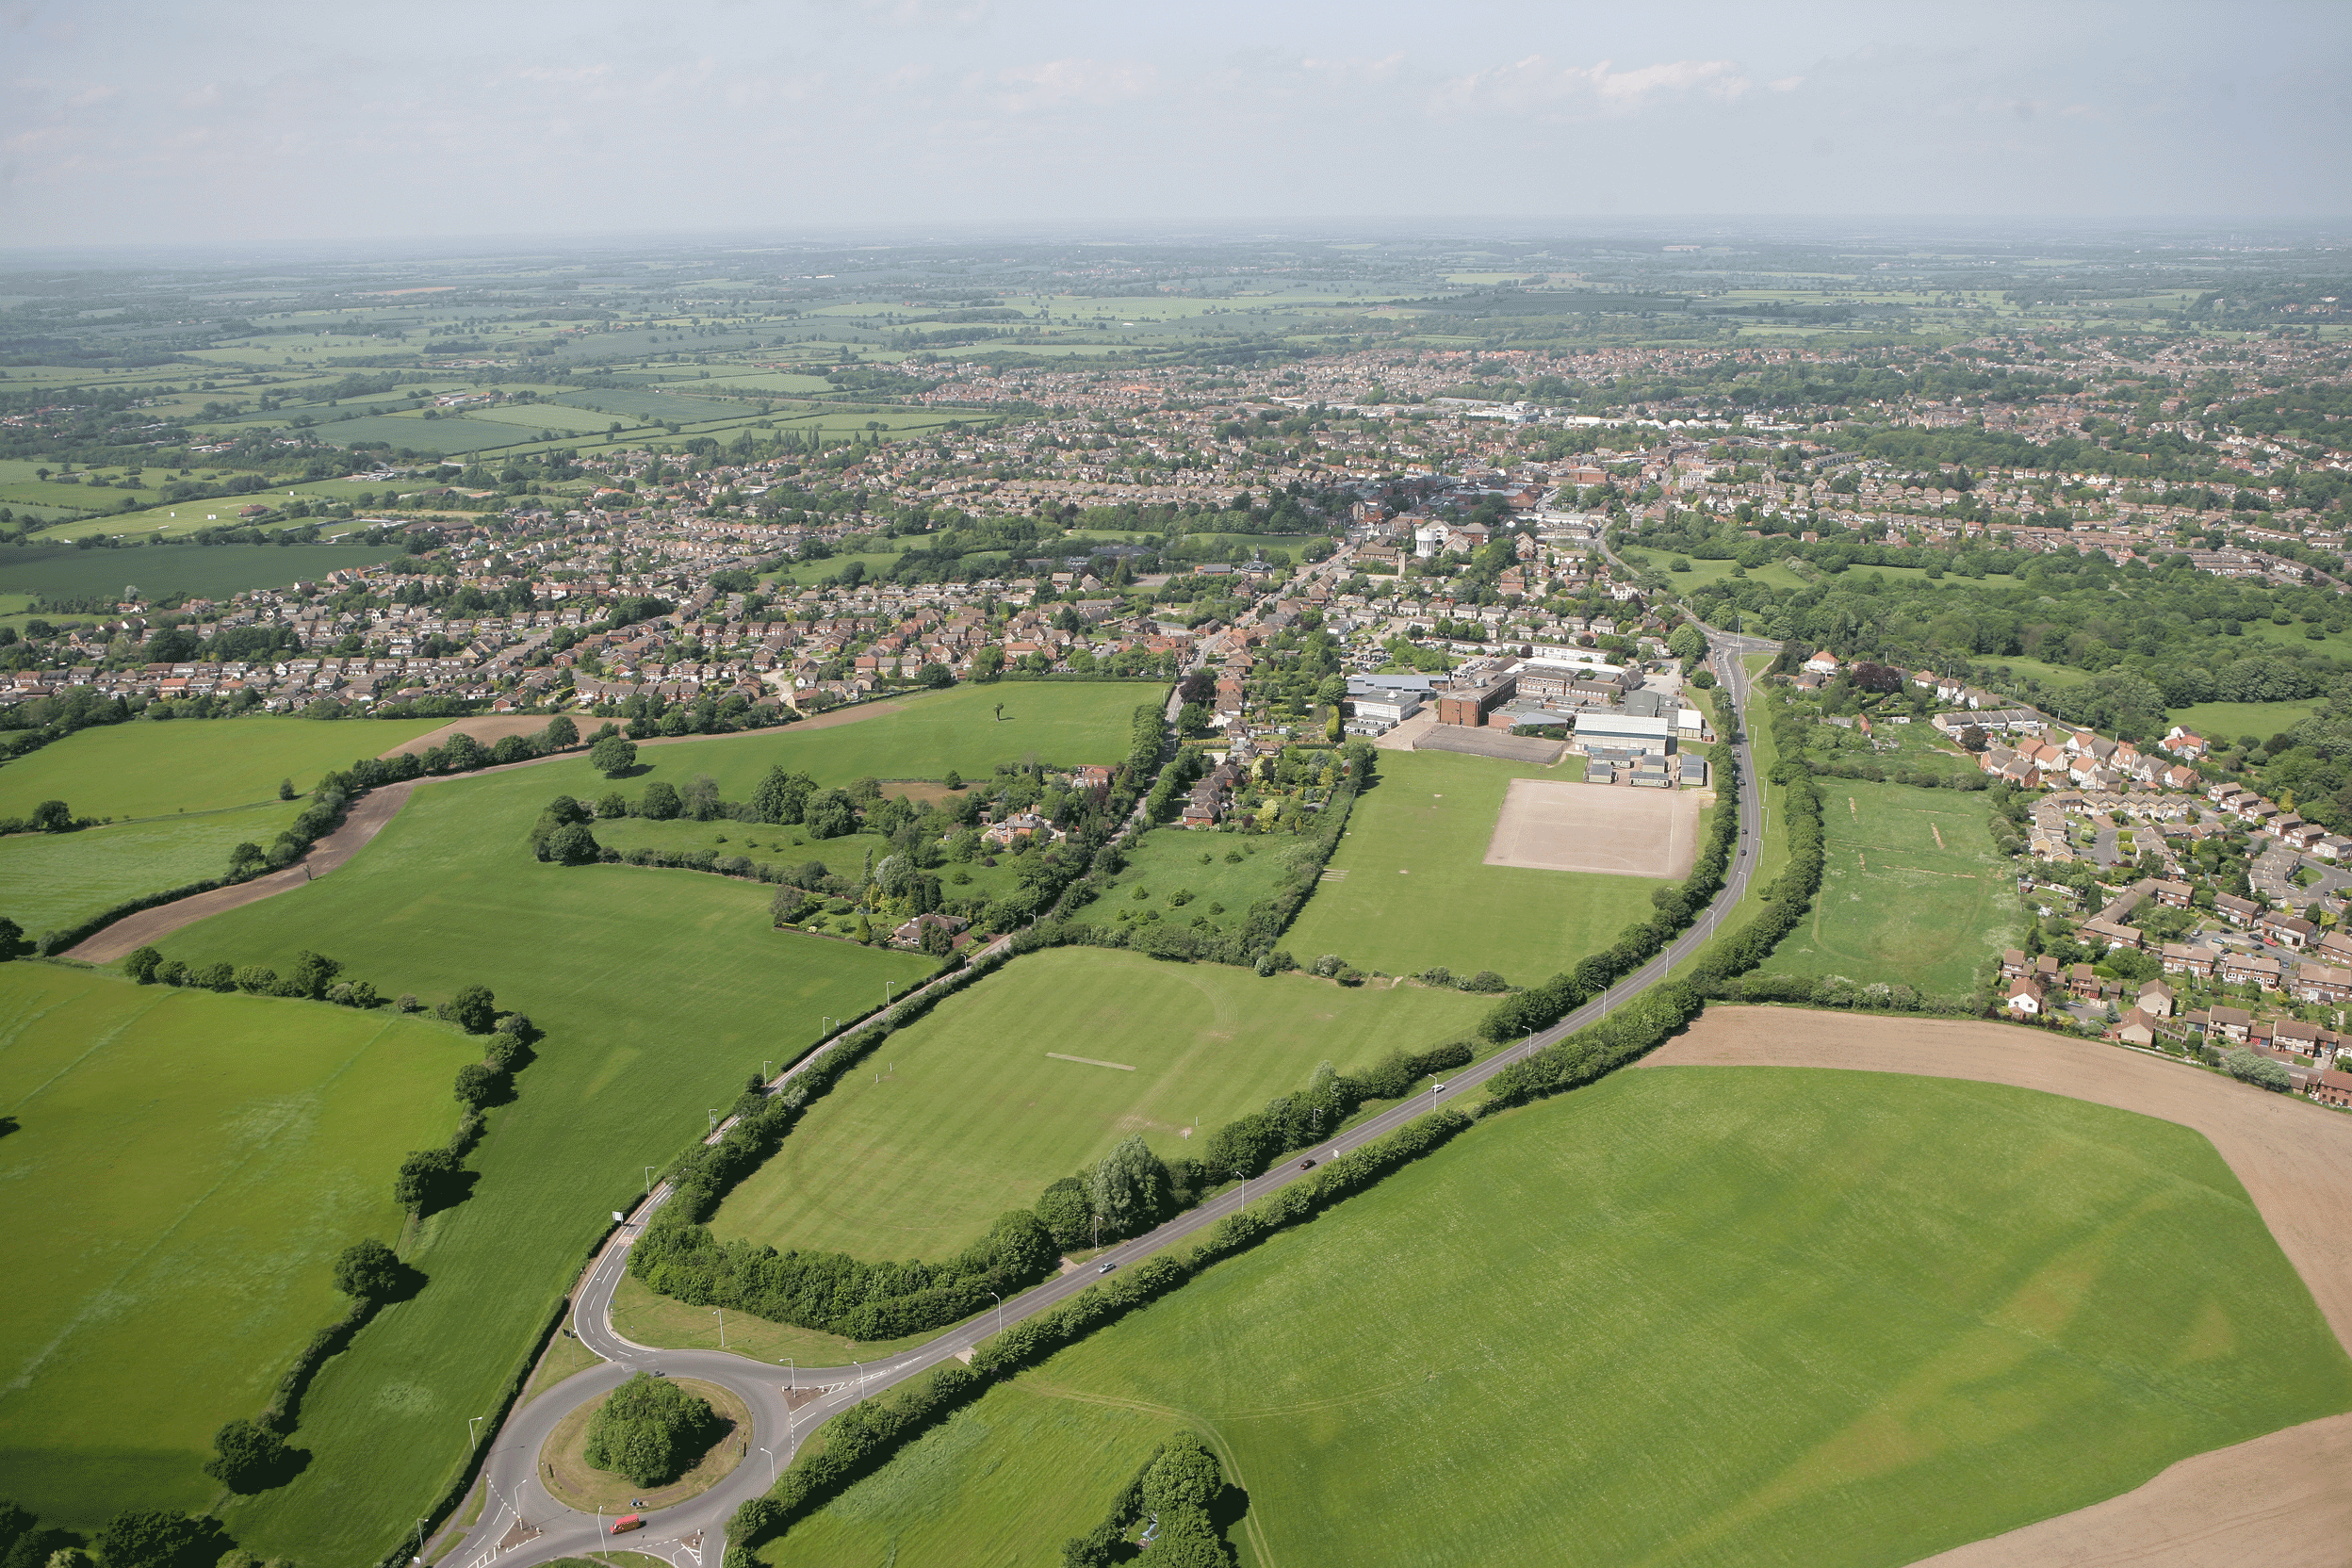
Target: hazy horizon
(264,123)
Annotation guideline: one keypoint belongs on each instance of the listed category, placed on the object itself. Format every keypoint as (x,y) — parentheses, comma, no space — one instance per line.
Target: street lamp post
(722,1314)
(1000,1312)
(650,1170)
(469,1429)
(765,1449)
(714,1121)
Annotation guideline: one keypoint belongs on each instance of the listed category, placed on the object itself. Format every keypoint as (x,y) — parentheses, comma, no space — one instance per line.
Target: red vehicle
(625,1522)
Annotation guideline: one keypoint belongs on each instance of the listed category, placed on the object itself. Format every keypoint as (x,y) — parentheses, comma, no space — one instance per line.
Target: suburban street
(521,1524)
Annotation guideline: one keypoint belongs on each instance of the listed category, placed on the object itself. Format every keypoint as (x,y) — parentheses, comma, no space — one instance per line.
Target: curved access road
(521,1524)
(2284,1500)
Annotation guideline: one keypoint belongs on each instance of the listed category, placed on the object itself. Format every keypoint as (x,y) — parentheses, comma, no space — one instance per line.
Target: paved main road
(521,1524)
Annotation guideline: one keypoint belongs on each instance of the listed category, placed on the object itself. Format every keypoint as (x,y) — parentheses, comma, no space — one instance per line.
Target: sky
(250,122)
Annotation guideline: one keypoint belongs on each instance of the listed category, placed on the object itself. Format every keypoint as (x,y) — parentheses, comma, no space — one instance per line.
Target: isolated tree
(650,1430)
(613,756)
(560,734)
(247,1458)
(369,1271)
(143,964)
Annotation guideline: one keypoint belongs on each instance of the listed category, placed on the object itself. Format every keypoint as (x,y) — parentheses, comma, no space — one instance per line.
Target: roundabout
(569,1478)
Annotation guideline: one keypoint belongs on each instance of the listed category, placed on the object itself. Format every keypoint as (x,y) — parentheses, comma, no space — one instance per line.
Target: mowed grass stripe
(1431,815)
(971,1116)
(1704,1316)
(661,992)
(186,1168)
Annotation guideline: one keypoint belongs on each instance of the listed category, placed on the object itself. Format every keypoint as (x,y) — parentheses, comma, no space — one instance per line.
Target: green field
(1005,1482)
(210,571)
(1430,816)
(185,1170)
(660,992)
(2223,722)
(1169,864)
(148,769)
(1695,1315)
(966,1114)
(804,574)
(49,880)
(1894,907)
(922,737)
(447,435)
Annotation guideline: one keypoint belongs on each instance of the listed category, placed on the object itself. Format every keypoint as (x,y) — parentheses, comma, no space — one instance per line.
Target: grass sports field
(448,895)
(158,570)
(1911,891)
(972,1115)
(1758,1315)
(184,1169)
(48,880)
(146,769)
(1415,891)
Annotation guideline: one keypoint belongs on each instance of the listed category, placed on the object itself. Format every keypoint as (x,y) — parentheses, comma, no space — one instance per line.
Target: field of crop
(184,1168)
(449,435)
(640,405)
(1755,1315)
(1912,892)
(660,992)
(213,571)
(558,417)
(146,769)
(49,880)
(969,1113)
(1185,877)
(1416,893)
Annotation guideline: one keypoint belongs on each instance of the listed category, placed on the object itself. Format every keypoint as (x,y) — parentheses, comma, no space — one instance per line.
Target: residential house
(2236,910)
(2289,931)
(2243,968)
(2156,999)
(2322,983)
(2234,1025)
(2197,963)
(2330,1087)
(2134,1028)
(2023,998)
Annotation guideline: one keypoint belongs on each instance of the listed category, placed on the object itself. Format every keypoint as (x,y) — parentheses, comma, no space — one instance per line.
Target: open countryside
(1634,891)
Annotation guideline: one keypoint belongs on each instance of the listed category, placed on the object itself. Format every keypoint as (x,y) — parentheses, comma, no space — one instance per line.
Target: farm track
(369,818)
(2284,1499)
(511,1458)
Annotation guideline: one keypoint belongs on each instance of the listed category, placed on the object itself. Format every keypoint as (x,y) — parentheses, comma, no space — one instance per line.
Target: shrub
(369,1271)
(2252,1066)
(650,1430)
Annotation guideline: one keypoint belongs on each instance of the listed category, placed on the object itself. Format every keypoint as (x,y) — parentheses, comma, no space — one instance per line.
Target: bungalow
(2024,998)
(2134,1028)
(912,933)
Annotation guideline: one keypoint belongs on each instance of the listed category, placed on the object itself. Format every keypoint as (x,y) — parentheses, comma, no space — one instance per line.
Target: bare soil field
(2284,1500)
(1491,743)
(1553,825)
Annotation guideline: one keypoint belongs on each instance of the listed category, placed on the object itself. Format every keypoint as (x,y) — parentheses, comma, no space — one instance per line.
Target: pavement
(521,1524)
